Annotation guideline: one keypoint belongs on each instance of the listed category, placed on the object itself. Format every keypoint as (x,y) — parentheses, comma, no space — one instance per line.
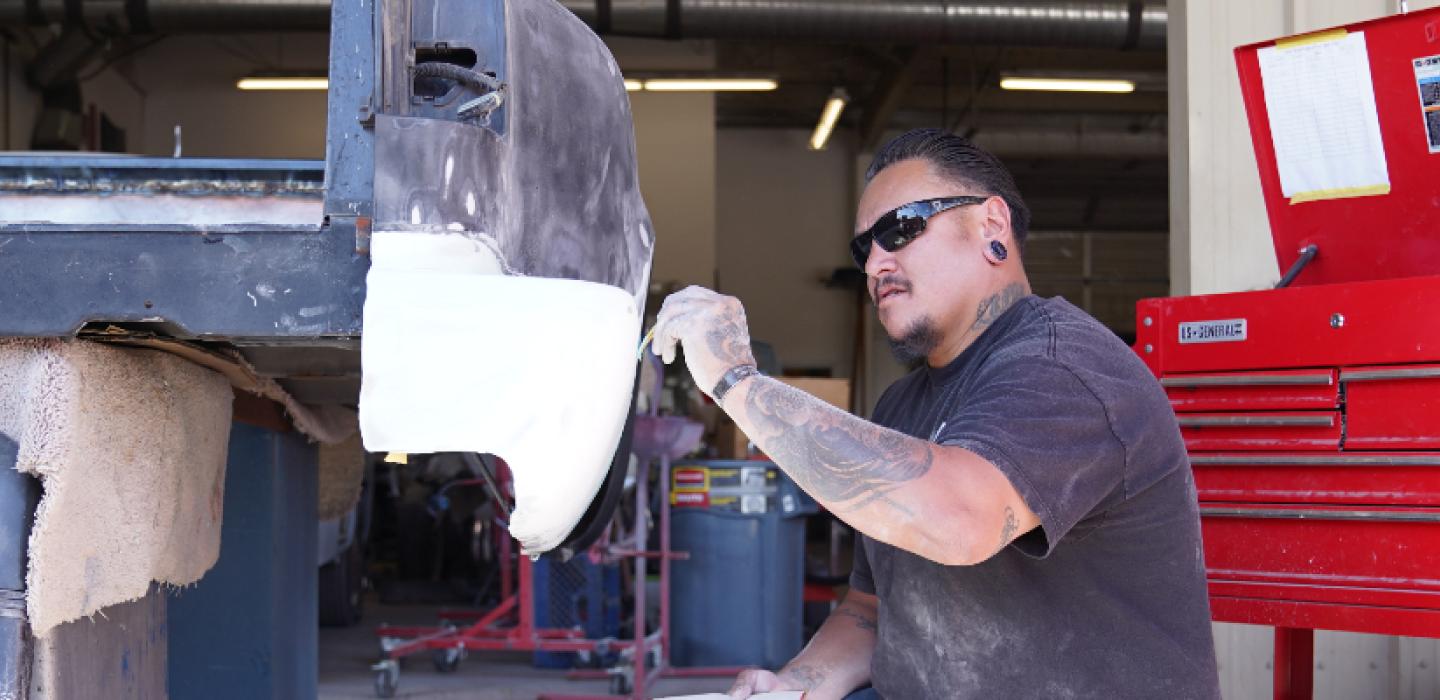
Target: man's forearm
(837,659)
(838,458)
(854,468)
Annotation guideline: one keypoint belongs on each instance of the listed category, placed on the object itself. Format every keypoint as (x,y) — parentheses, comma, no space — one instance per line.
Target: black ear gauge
(999,250)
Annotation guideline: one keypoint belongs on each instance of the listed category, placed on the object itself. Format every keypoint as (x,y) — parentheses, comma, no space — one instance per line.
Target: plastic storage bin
(737,600)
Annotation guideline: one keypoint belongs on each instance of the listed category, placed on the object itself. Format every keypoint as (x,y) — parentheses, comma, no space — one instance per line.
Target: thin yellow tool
(640,353)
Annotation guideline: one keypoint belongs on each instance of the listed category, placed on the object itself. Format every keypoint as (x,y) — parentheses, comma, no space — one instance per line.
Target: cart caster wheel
(387,679)
(446,660)
(386,644)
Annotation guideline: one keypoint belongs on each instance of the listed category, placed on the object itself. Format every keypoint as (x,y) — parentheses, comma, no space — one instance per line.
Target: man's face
(922,290)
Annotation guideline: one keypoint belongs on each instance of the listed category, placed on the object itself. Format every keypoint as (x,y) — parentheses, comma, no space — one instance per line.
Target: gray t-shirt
(1107,598)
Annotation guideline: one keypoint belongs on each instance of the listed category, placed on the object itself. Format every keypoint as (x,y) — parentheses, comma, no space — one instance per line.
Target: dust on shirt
(1107,598)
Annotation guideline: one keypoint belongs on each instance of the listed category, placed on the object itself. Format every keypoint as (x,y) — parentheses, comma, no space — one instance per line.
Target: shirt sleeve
(860,577)
(1048,433)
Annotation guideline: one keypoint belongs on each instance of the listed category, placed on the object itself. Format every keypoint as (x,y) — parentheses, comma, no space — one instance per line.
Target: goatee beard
(916,343)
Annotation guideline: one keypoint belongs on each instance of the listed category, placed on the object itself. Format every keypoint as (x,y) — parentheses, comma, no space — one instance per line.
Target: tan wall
(190,81)
(1221,242)
(675,143)
(785,222)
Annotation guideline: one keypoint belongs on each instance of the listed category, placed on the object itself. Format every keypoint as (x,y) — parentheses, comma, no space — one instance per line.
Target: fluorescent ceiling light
(1067,85)
(283,83)
(828,117)
(633,85)
(710,84)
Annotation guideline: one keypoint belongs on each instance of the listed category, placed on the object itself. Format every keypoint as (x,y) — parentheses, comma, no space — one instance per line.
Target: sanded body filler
(457,357)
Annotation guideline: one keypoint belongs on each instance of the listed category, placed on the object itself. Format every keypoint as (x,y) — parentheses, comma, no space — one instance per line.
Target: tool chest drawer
(1337,554)
(1394,407)
(1261,431)
(1390,479)
(1277,390)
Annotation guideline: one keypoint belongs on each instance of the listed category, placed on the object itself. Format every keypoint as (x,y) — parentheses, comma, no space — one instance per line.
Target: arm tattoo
(1007,532)
(993,306)
(833,455)
(728,339)
(804,675)
(861,620)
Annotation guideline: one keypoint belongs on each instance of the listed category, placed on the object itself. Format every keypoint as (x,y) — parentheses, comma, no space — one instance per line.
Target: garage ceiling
(1086,161)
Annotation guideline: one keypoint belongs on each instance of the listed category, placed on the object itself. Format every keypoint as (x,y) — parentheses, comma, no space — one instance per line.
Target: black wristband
(737,374)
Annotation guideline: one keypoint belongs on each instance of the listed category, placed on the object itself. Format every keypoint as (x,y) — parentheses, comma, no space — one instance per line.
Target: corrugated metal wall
(1102,273)
(1347,666)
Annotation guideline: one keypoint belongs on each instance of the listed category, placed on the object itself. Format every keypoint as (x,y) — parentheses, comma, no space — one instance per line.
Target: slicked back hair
(957,159)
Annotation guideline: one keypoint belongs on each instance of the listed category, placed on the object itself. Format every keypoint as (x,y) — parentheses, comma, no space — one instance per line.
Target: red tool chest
(1312,413)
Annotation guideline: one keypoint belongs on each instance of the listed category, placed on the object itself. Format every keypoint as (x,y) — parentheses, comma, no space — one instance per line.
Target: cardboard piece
(835,392)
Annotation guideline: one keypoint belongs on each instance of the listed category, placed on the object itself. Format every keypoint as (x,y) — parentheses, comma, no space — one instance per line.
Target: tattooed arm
(946,504)
(835,662)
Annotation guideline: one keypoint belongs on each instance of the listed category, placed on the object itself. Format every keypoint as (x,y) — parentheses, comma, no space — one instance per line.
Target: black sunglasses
(898,227)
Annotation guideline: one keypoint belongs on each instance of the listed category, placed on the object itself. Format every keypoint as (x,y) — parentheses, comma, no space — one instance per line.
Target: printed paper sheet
(1323,119)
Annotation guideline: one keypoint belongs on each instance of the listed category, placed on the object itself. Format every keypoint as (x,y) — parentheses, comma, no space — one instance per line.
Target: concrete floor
(347,653)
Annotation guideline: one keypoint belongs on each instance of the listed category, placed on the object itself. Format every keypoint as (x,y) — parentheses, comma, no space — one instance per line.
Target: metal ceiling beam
(994,99)
(890,93)
(1037,57)
(1157,225)
(1072,179)
(1082,189)
(1074,143)
(1092,208)
(1113,24)
(112,18)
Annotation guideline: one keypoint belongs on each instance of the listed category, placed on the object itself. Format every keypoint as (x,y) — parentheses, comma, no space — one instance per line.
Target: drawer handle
(1378,375)
(1310,514)
(1320,460)
(1322,421)
(1318,379)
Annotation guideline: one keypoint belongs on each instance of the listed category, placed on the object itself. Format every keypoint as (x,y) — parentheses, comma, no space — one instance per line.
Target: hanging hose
(493,91)
(459,74)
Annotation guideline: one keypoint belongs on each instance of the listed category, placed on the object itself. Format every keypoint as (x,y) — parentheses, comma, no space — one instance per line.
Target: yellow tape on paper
(1341,193)
(1291,42)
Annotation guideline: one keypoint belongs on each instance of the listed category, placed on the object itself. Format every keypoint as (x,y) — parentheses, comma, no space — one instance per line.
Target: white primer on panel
(457,357)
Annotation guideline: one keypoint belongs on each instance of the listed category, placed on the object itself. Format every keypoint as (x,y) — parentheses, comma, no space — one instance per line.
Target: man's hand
(713,329)
(761,681)
(835,662)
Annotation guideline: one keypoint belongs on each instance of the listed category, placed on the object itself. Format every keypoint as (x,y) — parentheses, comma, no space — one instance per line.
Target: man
(1027,516)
